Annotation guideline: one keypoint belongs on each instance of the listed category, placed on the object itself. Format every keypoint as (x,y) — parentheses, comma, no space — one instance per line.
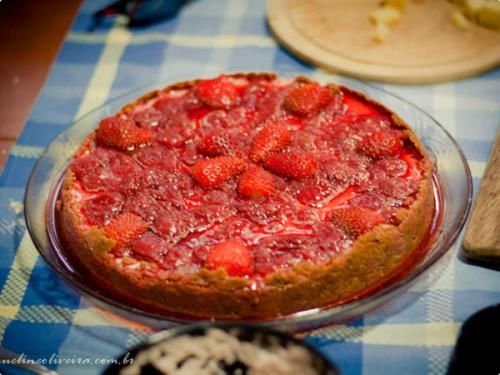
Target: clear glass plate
(452,179)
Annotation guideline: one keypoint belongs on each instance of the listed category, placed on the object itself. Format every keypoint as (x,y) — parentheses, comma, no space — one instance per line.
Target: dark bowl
(246,333)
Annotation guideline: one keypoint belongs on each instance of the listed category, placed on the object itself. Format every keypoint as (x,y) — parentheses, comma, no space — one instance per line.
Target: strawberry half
(125,228)
(356,220)
(381,144)
(211,173)
(357,107)
(233,256)
(121,133)
(256,182)
(217,93)
(216,144)
(292,165)
(307,100)
(270,139)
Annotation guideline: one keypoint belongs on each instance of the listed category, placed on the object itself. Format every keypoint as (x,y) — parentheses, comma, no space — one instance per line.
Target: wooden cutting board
(424,47)
(482,237)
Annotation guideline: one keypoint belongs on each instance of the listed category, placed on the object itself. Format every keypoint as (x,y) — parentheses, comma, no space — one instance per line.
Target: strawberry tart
(247,196)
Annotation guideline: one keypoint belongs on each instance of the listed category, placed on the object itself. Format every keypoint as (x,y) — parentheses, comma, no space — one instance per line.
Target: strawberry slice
(218,93)
(381,144)
(272,138)
(125,228)
(293,165)
(307,100)
(256,182)
(356,107)
(233,256)
(213,144)
(355,220)
(121,133)
(151,246)
(213,172)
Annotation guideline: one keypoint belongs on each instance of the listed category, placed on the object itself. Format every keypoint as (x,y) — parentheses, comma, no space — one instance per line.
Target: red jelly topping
(226,162)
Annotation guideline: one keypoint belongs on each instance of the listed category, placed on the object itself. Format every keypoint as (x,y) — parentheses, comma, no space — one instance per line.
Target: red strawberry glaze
(288,224)
(198,114)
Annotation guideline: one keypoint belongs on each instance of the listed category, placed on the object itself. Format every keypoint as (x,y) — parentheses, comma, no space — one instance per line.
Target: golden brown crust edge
(212,294)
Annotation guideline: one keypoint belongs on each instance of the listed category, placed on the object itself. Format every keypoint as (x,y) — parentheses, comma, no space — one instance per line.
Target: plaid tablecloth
(43,318)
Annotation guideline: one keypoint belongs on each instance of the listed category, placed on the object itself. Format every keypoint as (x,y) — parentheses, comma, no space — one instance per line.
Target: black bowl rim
(183,329)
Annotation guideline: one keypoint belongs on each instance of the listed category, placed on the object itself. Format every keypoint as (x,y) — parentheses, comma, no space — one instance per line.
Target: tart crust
(214,294)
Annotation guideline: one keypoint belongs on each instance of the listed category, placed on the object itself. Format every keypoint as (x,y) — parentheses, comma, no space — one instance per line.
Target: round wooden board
(425,47)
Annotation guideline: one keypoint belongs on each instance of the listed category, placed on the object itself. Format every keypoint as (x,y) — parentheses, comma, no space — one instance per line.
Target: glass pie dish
(452,187)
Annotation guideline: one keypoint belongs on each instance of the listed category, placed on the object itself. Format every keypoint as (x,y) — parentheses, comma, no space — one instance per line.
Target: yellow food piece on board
(387,15)
(483,12)
(459,20)
(489,14)
(382,17)
(381,32)
(398,4)
(472,7)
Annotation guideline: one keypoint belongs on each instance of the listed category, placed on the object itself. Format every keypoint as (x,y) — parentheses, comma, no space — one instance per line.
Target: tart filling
(247,196)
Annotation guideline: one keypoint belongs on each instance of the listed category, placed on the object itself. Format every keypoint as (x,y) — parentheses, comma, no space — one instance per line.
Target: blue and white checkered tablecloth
(42,317)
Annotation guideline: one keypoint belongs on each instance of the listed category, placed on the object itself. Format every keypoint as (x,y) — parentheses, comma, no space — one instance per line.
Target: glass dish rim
(297,317)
